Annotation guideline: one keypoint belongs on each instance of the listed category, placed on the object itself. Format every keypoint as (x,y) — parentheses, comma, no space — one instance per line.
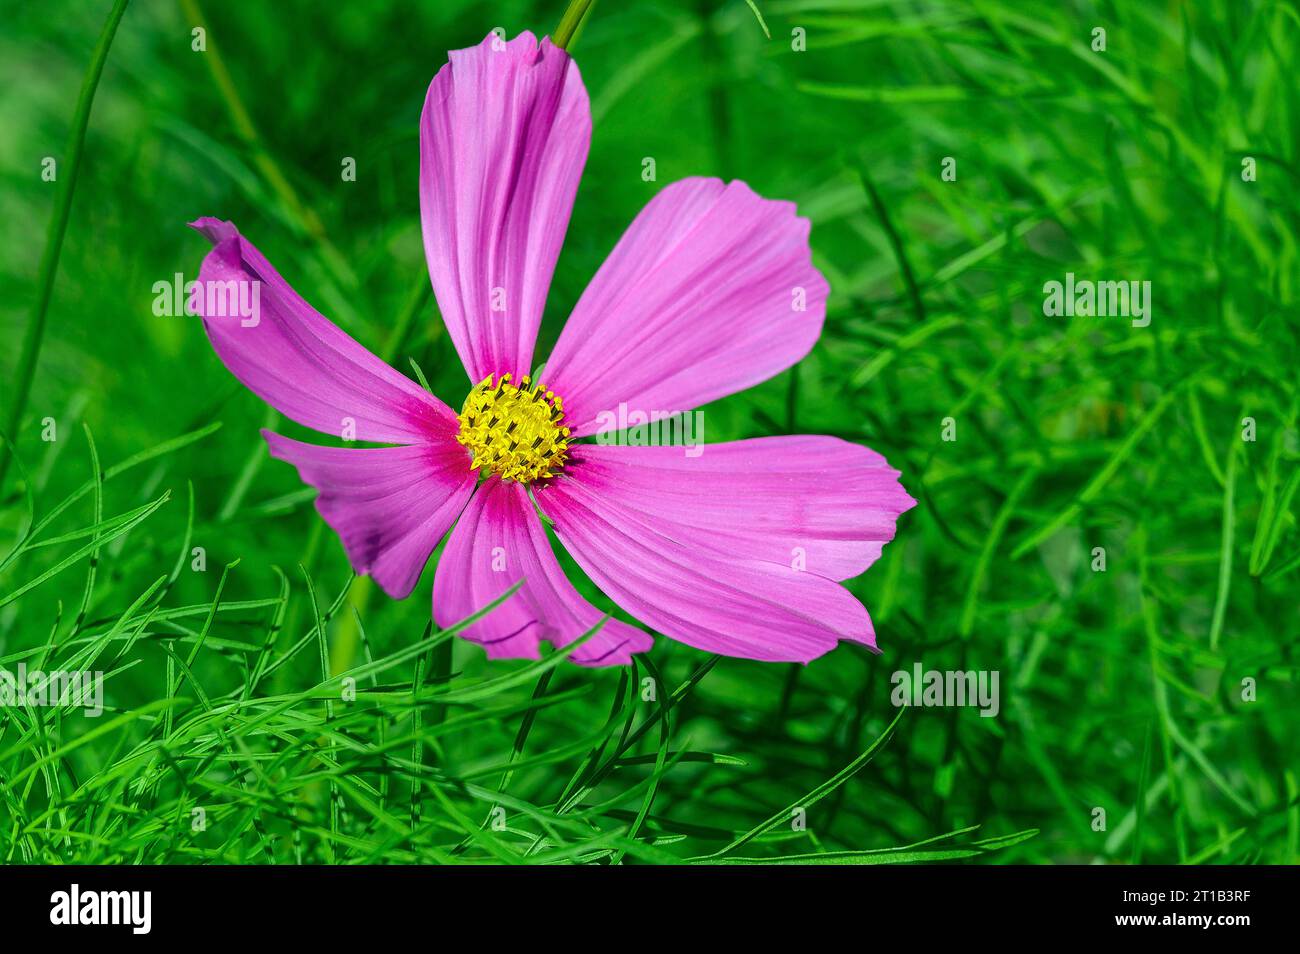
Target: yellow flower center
(514,431)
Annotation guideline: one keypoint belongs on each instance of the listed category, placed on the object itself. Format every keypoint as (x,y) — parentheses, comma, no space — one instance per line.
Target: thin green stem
(54,237)
(566,33)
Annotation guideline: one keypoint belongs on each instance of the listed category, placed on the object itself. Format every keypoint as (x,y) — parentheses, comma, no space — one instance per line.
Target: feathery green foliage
(271,707)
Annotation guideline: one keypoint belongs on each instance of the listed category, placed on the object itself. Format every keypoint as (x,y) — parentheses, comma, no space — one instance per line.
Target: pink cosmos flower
(711,290)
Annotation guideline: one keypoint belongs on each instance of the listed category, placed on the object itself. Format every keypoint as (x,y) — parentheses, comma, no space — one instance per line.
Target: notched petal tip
(227,246)
(213,229)
(524,43)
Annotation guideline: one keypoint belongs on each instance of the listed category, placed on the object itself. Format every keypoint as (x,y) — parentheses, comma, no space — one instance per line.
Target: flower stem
(54,238)
(565,33)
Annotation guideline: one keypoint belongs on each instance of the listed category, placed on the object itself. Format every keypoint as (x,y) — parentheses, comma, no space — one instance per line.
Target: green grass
(311,719)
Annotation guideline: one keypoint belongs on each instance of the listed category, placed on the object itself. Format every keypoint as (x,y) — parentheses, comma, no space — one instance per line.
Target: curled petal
(298,361)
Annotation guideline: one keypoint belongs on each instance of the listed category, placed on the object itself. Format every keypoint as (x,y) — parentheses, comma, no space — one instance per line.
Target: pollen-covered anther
(514,431)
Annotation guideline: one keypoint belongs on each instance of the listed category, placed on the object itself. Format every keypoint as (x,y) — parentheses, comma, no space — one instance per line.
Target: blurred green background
(1158,691)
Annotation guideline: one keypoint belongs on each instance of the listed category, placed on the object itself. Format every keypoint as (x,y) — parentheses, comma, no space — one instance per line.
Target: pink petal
(389,505)
(675,571)
(823,501)
(700,298)
(503,140)
(296,360)
(498,541)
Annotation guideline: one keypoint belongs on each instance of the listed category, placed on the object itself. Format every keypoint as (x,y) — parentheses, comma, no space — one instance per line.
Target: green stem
(570,22)
(303,217)
(54,238)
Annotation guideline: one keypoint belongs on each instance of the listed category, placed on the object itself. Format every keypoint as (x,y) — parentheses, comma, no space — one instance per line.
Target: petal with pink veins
(298,361)
(824,503)
(389,505)
(503,139)
(710,290)
(694,585)
(498,541)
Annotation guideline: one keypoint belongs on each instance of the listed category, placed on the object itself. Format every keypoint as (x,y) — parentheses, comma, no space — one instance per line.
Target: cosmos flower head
(740,549)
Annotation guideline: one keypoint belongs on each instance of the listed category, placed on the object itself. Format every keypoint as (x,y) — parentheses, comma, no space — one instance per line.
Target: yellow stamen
(513,431)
